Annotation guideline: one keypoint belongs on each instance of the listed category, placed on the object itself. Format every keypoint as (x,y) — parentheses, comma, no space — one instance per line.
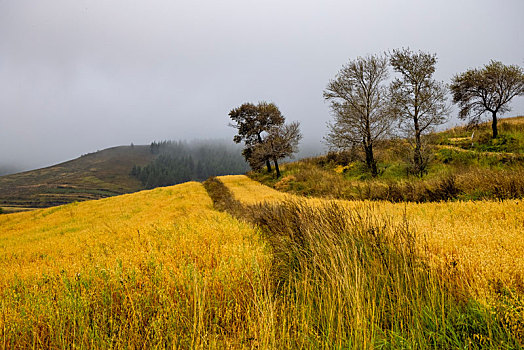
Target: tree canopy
(488,89)
(358,100)
(418,100)
(252,121)
(264,133)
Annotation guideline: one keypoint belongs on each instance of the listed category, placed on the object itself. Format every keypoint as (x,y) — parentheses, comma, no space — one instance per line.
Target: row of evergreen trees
(179,162)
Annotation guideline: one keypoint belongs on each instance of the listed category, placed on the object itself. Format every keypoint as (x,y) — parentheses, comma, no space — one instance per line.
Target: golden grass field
(169,239)
(164,268)
(175,224)
(483,239)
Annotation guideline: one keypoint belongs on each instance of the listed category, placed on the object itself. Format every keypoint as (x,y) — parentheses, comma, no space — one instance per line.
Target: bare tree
(489,89)
(252,122)
(358,101)
(418,101)
(280,142)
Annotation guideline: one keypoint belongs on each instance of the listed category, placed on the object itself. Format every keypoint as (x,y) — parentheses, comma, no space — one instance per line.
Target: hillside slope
(164,269)
(91,176)
(484,237)
(152,269)
(464,163)
(471,249)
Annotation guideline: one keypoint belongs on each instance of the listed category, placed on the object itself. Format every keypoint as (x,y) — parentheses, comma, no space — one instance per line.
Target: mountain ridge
(91,176)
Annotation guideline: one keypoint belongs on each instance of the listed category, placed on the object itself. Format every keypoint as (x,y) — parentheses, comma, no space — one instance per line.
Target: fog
(78,76)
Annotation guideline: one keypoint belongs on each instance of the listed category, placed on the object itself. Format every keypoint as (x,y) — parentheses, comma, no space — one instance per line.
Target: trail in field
(251,192)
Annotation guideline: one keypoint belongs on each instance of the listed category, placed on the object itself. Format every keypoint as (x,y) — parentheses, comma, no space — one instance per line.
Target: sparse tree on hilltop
(358,100)
(489,89)
(418,101)
(252,122)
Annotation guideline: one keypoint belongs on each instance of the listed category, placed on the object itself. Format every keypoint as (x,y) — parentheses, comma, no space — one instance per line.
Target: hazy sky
(81,75)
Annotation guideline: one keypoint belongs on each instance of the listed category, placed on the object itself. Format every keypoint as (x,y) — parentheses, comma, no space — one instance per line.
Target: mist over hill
(118,170)
(6,169)
(179,161)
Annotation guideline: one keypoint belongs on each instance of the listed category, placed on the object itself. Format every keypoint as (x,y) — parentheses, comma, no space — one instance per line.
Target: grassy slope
(162,268)
(460,169)
(483,238)
(92,176)
(511,138)
(156,268)
(472,248)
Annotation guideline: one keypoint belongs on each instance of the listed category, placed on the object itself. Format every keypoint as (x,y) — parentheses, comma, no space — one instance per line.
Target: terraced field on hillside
(154,267)
(92,176)
(164,268)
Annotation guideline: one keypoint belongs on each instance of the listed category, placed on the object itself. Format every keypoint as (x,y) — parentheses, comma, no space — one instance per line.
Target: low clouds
(77,76)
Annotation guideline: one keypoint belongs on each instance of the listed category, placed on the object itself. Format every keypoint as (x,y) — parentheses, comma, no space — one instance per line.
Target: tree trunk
(417,157)
(368,146)
(268,163)
(494,125)
(370,160)
(276,167)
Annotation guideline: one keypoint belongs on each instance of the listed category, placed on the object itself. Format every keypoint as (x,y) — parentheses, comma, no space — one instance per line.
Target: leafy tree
(252,122)
(489,89)
(280,142)
(418,101)
(358,100)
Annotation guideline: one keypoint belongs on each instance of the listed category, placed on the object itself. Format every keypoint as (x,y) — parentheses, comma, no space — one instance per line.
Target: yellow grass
(250,192)
(514,120)
(458,139)
(199,265)
(176,224)
(483,240)
(163,268)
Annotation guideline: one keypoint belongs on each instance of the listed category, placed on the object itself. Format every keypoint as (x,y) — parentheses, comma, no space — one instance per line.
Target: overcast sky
(77,76)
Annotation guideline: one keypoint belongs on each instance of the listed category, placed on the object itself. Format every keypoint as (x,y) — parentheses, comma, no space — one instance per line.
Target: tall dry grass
(162,268)
(348,279)
(345,277)
(153,269)
(477,244)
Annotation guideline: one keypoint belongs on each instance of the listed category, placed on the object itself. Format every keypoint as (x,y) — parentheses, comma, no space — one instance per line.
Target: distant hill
(92,176)
(119,170)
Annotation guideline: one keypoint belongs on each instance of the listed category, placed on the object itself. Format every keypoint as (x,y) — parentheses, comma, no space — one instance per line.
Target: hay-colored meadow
(163,268)
(175,225)
(161,257)
(484,240)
